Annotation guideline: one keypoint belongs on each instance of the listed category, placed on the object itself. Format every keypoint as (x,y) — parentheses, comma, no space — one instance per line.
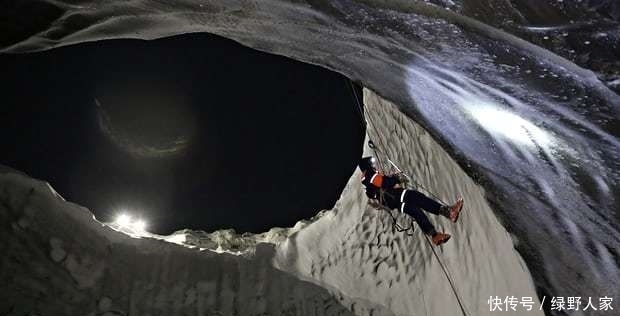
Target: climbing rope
(415,185)
(395,225)
(443,266)
(448,276)
(359,108)
(367,123)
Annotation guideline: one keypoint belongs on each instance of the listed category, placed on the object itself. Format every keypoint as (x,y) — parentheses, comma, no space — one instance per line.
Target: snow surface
(345,261)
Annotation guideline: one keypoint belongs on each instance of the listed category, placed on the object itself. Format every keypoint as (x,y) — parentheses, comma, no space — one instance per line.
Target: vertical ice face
(361,255)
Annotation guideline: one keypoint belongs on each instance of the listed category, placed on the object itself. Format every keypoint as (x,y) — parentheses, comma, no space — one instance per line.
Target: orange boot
(455,209)
(440,238)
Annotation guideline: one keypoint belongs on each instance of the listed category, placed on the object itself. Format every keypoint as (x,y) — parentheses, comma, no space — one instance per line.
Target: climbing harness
(395,225)
(409,181)
(365,124)
(382,193)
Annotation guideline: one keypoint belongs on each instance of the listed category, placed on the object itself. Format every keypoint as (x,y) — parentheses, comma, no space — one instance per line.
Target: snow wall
(58,260)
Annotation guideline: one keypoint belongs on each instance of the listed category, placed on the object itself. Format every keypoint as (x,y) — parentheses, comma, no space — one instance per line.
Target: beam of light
(510,125)
(499,113)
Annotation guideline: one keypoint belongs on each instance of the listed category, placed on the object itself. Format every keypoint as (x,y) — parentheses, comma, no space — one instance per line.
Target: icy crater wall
(437,60)
(354,248)
(58,260)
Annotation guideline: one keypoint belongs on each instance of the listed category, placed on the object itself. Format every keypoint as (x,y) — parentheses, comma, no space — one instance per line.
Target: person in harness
(388,191)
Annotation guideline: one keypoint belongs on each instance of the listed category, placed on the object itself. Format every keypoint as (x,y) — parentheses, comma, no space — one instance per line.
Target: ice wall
(354,249)
(58,260)
(437,60)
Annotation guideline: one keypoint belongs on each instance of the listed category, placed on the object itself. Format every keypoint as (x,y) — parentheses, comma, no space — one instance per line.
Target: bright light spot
(177,239)
(128,224)
(123,220)
(510,125)
(139,225)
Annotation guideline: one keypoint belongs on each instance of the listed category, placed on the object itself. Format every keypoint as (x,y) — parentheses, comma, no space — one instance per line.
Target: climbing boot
(455,210)
(440,238)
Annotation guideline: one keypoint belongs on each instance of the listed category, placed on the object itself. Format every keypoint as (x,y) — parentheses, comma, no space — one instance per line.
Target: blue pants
(412,203)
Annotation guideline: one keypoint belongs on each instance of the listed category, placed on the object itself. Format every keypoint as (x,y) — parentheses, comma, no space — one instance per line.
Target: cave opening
(192,131)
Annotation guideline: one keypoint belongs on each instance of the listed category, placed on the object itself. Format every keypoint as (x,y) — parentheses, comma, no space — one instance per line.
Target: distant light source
(123,220)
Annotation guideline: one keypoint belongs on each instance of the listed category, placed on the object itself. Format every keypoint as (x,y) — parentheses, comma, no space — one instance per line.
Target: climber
(388,191)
